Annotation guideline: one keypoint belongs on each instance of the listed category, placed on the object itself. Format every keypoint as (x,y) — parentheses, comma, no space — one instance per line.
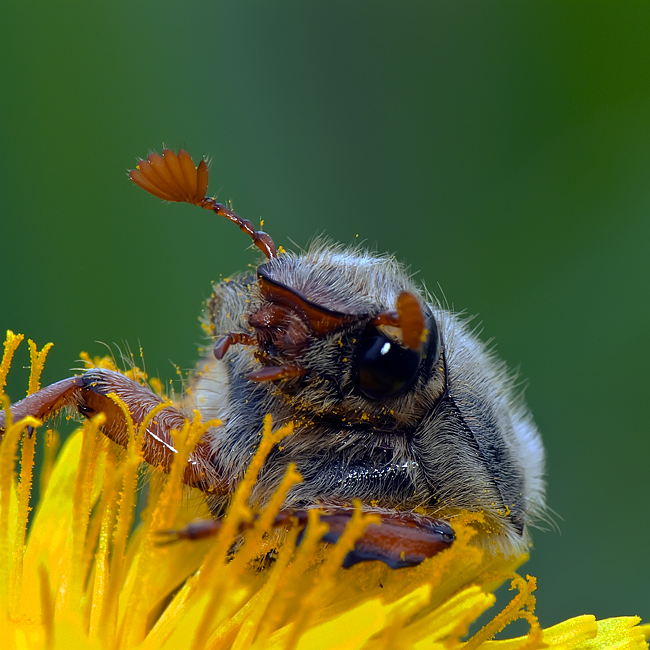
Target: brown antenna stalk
(174,177)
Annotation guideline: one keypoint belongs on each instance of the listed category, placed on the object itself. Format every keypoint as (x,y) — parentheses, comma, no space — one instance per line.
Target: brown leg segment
(89,395)
(46,401)
(401,539)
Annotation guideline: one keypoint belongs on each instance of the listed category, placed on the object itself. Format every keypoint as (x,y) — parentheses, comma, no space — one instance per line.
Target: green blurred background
(500,148)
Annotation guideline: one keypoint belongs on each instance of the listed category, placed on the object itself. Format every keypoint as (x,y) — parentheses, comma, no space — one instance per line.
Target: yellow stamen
(102,615)
(82,501)
(238,512)
(28,448)
(11,343)
(521,606)
(10,543)
(37,360)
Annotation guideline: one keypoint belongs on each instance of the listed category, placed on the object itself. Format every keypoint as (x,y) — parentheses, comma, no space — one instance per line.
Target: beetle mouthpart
(271,373)
(223,344)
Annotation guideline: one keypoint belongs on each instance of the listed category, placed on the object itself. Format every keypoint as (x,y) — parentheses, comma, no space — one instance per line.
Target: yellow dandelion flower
(85,577)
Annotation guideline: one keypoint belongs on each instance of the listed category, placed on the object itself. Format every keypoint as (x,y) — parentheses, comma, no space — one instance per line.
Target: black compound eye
(383,368)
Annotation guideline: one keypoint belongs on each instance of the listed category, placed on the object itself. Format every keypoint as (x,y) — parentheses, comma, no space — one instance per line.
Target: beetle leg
(45,402)
(89,395)
(273,373)
(401,539)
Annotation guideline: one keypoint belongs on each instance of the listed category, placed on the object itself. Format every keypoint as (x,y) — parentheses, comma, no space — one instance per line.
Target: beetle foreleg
(90,394)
